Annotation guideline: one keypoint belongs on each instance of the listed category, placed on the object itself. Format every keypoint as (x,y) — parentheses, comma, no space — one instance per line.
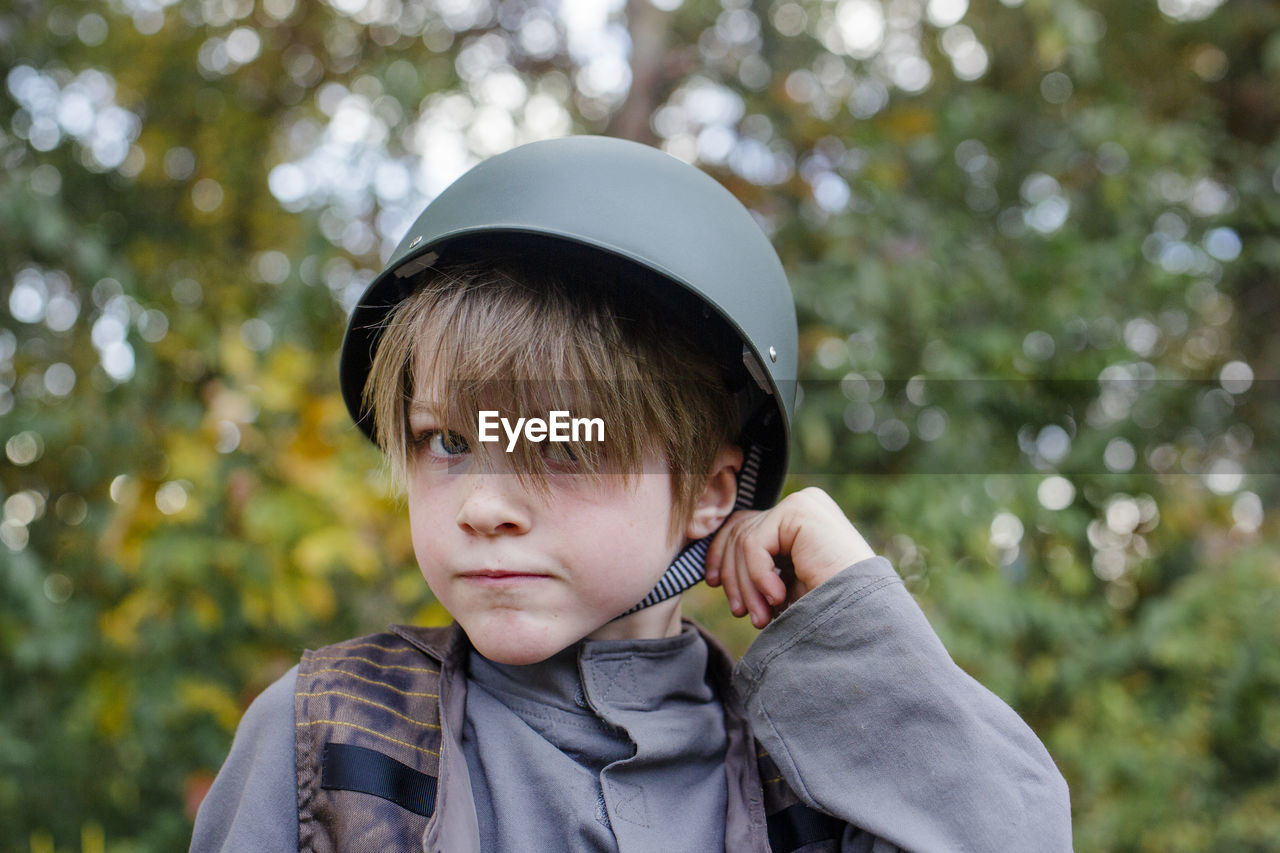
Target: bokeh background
(1035,250)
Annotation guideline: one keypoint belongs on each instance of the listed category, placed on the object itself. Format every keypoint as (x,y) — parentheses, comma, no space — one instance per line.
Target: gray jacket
(849,692)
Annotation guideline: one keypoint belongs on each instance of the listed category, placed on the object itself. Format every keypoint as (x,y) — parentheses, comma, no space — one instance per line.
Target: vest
(369,739)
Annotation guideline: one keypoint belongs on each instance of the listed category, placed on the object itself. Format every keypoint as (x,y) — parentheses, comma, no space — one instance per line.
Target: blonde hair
(522,337)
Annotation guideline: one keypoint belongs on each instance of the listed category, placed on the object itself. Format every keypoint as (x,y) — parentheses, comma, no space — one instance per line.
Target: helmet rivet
(416,241)
(773,354)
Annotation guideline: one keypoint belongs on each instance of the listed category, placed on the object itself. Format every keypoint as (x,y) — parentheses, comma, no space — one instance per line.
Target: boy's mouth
(498,576)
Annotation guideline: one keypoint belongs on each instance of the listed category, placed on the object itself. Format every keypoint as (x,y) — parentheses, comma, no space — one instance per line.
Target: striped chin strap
(690,565)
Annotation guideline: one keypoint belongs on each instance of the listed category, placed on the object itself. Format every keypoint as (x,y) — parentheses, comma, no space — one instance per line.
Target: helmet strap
(690,565)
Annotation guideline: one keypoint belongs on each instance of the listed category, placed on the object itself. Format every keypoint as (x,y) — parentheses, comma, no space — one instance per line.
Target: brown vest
(367,713)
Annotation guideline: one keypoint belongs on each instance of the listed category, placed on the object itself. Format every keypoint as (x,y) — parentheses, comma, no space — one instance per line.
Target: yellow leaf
(119,625)
(113,702)
(323,551)
(281,382)
(197,695)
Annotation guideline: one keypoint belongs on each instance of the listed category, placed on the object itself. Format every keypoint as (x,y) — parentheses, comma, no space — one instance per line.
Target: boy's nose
(494,506)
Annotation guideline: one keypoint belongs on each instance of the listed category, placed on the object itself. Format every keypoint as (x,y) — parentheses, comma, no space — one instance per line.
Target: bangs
(486,341)
(524,342)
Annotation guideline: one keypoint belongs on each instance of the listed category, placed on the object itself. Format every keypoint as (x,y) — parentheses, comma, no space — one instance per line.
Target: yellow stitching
(762,754)
(386,708)
(370,732)
(376,646)
(771,781)
(375,663)
(372,681)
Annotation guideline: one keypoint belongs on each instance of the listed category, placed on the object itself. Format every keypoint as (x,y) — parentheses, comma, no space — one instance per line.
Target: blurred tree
(1034,248)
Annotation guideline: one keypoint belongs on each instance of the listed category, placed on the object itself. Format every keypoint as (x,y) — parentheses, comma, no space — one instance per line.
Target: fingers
(756,580)
(715,553)
(741,558)
(806,531)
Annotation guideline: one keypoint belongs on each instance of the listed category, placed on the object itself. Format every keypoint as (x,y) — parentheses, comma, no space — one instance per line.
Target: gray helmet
(642,207)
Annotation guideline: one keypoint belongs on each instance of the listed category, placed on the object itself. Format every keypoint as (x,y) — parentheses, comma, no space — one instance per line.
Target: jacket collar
(453,826)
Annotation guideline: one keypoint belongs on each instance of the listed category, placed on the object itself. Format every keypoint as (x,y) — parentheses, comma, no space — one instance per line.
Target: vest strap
(347,767)
(798,826)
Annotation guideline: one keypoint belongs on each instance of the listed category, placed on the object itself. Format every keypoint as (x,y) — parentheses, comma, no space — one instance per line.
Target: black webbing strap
(798,825)
(690,565)
(346,767)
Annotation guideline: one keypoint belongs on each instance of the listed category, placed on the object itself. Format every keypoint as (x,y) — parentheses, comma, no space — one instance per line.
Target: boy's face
(528,573)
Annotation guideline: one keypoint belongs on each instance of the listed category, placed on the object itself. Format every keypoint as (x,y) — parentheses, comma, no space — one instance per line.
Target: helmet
(642,207)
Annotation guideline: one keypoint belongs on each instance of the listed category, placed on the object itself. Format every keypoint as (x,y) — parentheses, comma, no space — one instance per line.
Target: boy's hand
(767,560)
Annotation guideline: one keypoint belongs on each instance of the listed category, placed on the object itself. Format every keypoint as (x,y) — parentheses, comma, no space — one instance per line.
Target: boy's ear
(718,494)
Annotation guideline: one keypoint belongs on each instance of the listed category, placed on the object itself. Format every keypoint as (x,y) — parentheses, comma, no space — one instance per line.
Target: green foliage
(1037,288)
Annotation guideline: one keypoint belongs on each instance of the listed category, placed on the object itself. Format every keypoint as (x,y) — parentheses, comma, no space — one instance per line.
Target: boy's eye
(561,457)
(443,443)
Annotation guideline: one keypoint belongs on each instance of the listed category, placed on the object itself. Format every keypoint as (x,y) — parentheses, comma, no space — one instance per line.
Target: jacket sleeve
(869,720)
(253,803)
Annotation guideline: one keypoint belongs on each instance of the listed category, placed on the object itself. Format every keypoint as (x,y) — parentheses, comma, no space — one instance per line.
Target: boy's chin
(521,641)
(518,648)
(510,655)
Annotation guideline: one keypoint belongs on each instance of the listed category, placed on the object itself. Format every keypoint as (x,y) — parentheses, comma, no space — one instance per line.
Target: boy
(600,284)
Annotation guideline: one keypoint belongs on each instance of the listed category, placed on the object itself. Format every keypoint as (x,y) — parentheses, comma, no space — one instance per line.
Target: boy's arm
(865,713)
(253,804)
